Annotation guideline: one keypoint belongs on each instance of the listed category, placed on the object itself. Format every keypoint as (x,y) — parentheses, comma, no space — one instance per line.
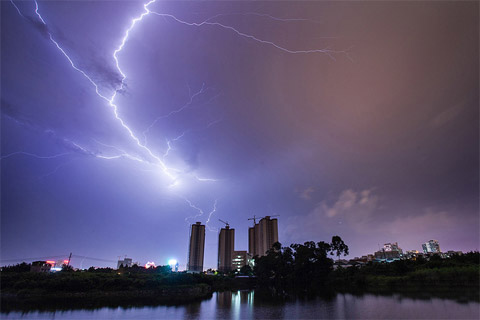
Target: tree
(67,268)
(301,267)
(246,270)
(338,247)
(21,267)
(275,268)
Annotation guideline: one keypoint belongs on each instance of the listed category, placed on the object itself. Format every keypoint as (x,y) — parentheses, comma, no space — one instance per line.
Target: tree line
(301,267)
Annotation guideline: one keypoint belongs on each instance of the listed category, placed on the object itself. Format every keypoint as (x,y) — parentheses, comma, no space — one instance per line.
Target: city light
(172,263)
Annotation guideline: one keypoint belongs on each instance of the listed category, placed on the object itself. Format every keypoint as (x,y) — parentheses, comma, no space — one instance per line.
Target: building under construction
(196,248)
(226,242)
(262,236)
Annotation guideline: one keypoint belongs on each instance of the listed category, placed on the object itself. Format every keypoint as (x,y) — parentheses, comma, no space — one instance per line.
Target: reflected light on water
(247,305)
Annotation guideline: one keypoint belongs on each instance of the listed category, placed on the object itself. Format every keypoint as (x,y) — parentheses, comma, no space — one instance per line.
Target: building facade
(241,259)
(392,247)
(251,241)
(125,263)
(262,236)
(196,248)
(431,246)
(390,251)
(40,266)
(226,242)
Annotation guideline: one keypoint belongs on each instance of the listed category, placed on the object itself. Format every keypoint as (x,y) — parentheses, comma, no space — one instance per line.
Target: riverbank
(38,300)
(447,282)
(250,305)
(456,278)
(91,290)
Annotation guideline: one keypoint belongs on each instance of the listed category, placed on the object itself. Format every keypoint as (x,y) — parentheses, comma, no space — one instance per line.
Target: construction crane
(255,218)
(226,223)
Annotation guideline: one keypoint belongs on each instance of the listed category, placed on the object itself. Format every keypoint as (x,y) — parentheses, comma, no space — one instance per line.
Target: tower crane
(255,218)
(226,223)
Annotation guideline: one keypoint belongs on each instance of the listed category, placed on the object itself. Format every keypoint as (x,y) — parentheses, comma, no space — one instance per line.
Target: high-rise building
(226,242)
(431,246)
(196,248)
(241,259)
(262,236)
(252,240)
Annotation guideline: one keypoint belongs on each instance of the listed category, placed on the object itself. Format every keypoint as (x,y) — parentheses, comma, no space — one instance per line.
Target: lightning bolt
(214,123)
(158,161)
(122,153)
(54,170)
(205,179)
(263,15)
(192,97)
(35,155)
(210,215)
(169,144)
(200,211)
(110,100)
(18,10)
(329,52)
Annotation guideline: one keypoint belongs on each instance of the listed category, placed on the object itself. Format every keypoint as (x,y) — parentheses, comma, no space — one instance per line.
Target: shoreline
(173,296)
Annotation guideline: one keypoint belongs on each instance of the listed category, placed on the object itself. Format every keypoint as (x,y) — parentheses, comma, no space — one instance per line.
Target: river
(245,305)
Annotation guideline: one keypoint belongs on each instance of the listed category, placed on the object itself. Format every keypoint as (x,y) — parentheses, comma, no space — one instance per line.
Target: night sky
(357,119)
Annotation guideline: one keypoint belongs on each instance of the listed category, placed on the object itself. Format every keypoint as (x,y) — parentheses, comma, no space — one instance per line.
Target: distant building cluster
(261,238)
(48,265)
(392,252)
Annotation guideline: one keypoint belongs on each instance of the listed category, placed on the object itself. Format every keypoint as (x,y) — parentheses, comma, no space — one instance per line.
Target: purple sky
(376,139)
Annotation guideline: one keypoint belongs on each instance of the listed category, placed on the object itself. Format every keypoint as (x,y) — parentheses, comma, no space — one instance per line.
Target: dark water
(245,305)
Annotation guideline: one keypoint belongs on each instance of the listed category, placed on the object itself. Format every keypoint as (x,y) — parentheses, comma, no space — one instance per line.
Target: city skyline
(123,123)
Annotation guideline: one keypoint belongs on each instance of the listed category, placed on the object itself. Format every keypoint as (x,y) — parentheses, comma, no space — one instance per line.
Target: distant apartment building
(431,246)
(387,255)
(241,259)
(40,266)
(392,247)
(196,248)
(125,263)
(226,242)
(262,236)
(390,251)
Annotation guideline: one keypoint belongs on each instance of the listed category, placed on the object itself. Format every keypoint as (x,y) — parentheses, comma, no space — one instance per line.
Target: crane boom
(226,223)
(255,218)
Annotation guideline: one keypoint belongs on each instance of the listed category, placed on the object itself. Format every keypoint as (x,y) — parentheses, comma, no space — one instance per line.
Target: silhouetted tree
(338,247)
(275,268)
(21,267)
(246,270)
(300,266)
(67,268)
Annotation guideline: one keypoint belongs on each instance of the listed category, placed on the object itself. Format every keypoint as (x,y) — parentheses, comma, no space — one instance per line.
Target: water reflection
(224,299)
(193,309)
(251,305)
